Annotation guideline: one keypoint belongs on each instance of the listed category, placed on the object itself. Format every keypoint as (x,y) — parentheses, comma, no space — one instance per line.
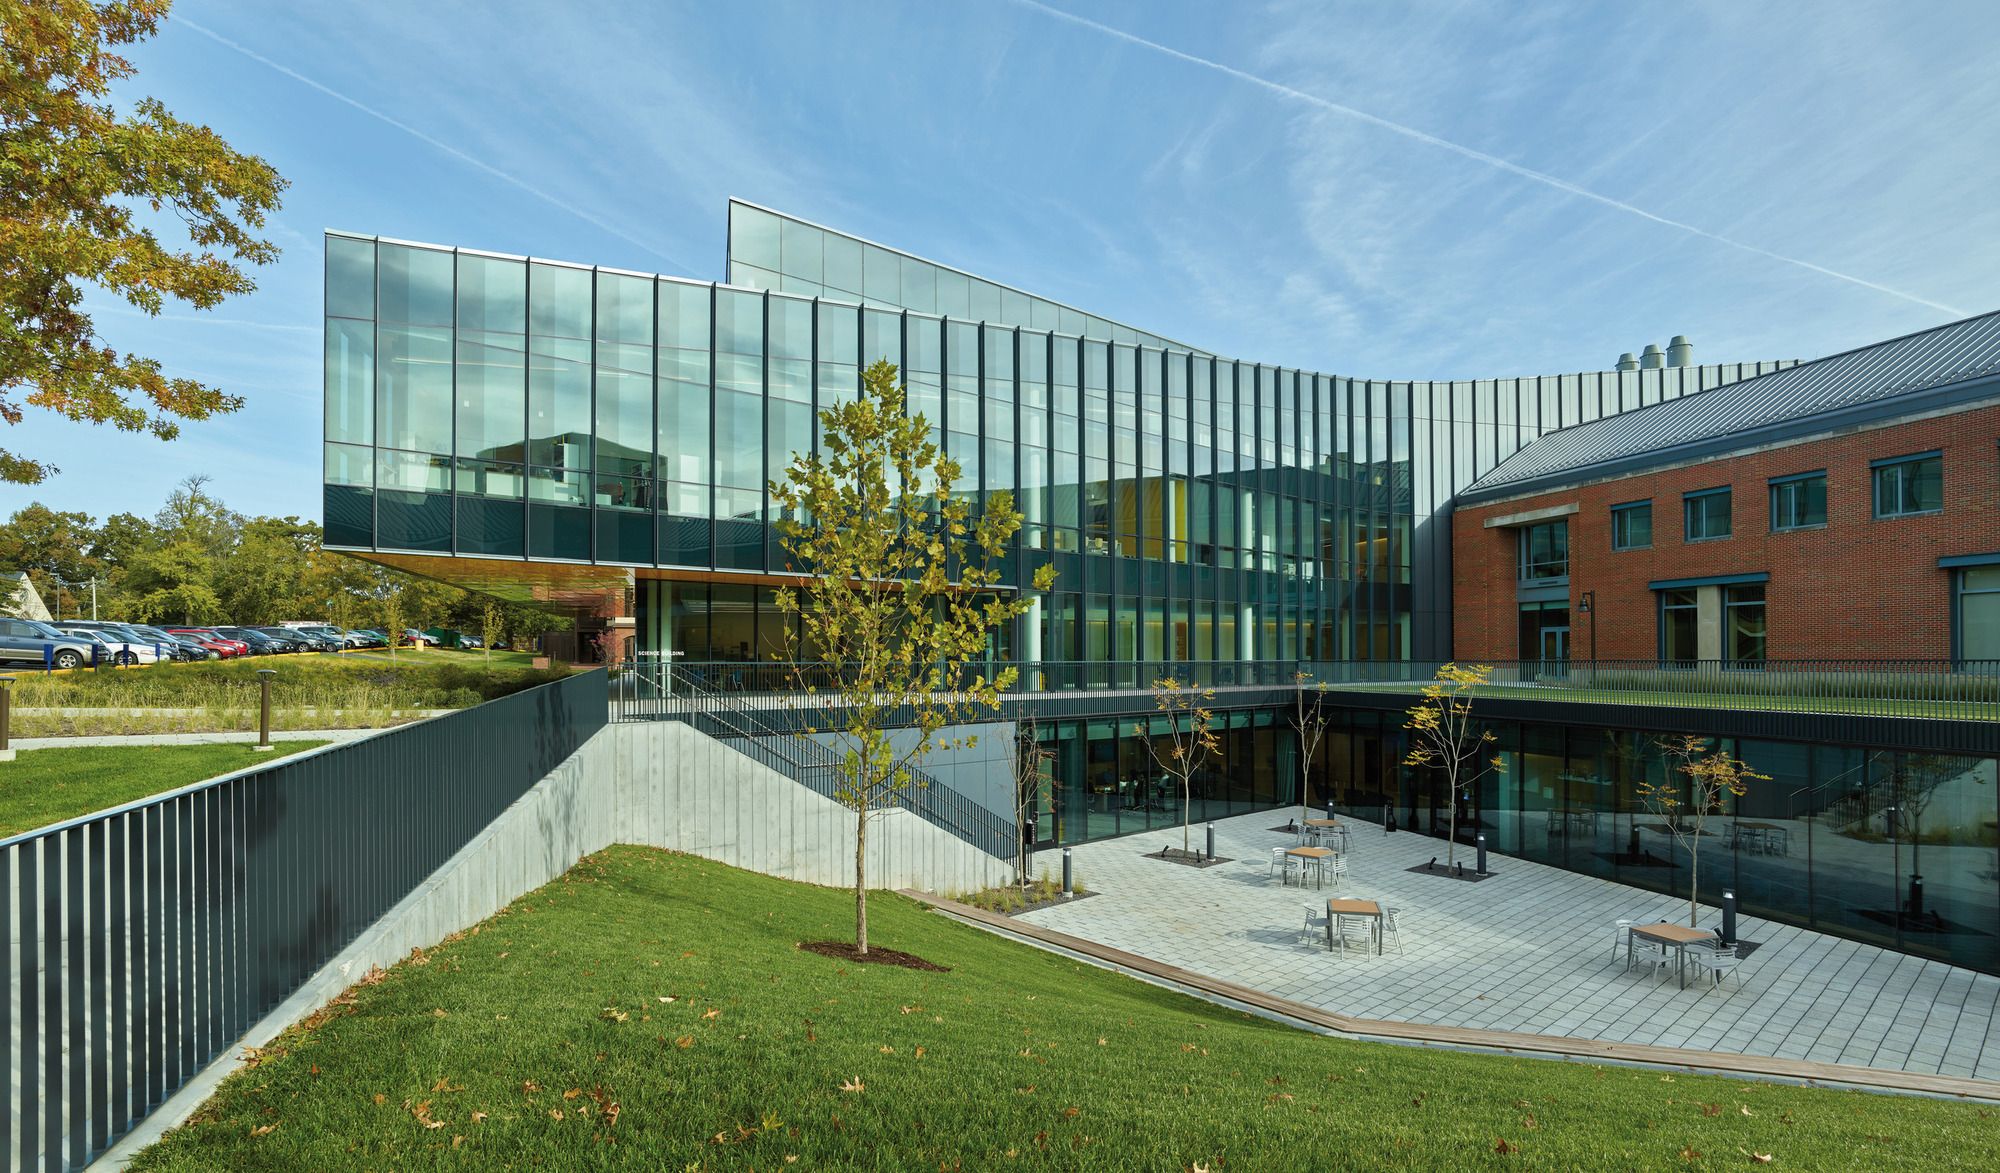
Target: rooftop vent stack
(1627,363)
(1680,352)
(1650,359)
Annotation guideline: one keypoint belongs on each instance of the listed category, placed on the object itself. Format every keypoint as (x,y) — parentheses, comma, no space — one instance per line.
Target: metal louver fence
(141,942)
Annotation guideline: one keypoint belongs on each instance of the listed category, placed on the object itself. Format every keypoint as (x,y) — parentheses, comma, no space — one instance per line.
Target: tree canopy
(84,191)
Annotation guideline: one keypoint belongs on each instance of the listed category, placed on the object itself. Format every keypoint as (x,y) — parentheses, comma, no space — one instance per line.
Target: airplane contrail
(1478,156)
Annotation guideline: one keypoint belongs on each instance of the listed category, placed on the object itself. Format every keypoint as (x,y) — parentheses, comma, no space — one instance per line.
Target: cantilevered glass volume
(595,426)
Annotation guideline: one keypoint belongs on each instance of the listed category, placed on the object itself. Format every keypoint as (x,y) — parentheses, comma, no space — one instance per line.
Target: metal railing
(142,941)
(779,734)
(1961,690)
(1966,690)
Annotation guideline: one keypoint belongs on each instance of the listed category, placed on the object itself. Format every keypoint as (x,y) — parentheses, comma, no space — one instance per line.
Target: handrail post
(6,714)
(264,709)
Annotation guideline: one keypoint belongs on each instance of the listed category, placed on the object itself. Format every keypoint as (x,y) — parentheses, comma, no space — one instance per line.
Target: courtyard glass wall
(1896,849)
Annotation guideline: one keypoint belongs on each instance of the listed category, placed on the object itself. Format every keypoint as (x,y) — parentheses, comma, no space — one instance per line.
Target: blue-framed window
(1976,634)
(1545,551)
(1632,525)
(1909,485)
(1705,515)
(1798,501)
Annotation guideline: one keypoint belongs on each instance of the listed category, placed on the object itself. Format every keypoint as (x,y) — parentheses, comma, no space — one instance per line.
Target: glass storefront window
(1979,613)
(1679,613)
(1743,623)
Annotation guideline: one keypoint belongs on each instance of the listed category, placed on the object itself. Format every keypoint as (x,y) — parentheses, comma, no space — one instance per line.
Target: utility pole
(93,598)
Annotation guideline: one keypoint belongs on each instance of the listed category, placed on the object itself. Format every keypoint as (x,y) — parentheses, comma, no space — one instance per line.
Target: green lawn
(650,1011)
(43,786)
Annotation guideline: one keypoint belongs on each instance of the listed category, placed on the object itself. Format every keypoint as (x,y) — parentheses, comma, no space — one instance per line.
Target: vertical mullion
(80,1045)
(143,947)
(7,997)
(52,1007)
(31,1027)
(99,930)
(119,1103)
(180,952)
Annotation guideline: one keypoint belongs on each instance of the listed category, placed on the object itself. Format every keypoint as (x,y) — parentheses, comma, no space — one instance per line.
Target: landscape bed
(650,1010)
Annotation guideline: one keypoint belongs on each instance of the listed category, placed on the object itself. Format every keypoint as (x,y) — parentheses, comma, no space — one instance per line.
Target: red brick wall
(1859,588)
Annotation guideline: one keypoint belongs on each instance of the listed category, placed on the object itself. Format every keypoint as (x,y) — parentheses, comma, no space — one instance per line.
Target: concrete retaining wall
(659,784)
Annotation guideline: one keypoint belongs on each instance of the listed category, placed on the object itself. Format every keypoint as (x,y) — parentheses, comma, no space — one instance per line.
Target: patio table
(1668,936)
(1310,857)
(1342,909)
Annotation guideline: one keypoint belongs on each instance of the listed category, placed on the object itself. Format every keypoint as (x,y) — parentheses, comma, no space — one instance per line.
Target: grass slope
(650,1011)
(43,786)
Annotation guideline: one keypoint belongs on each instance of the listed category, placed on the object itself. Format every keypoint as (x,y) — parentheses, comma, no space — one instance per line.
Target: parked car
(181,648)
(259,643)
(366,637)
(163,645)
(26,641)
(329,639)
(303,639)
(209,638)
(115,647)
(196,650)
(283,639)
(471,642)
(412,636)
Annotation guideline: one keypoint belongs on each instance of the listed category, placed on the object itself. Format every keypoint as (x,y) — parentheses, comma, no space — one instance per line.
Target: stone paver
(1531,949)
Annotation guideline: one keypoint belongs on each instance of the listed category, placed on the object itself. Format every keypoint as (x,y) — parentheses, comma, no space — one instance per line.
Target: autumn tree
(1445,737)
(86,187)
(902,590)
(1309,722)
(490,616)
(1190,741)
(1699,781)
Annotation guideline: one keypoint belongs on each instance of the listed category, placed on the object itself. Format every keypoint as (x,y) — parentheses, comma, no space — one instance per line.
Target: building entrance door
(1555,649)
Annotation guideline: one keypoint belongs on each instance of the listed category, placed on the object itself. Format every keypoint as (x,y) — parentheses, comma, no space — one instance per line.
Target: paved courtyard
(1530,949)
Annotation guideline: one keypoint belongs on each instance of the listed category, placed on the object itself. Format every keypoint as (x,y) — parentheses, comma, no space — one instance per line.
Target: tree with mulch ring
(875,955)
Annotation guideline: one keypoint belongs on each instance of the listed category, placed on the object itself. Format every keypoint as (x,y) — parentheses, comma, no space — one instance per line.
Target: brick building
(1844,509)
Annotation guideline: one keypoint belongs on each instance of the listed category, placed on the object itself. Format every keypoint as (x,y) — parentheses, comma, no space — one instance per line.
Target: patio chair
(1315,926)
(1719,960)
(1334,868)
(1618,936)
(1344,925)
(1281,858)
(1390,927)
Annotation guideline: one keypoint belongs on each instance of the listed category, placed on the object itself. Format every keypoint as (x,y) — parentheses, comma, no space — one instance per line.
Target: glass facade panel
(414,285)
(350,277)
(413,388)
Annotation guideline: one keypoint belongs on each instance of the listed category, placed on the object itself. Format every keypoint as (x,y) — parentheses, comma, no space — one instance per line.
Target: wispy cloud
(465,157)
(1482,157)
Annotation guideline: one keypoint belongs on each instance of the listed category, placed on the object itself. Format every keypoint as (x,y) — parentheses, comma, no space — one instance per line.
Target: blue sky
(1410,190)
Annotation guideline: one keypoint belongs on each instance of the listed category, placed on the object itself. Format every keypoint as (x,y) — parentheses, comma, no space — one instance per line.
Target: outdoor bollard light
(1728,917)
(1211,843)
(1480,839)
(264,708)
(6,704)
(1067,889)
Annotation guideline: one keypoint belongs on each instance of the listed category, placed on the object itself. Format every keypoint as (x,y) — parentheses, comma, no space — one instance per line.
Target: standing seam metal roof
(1952,353)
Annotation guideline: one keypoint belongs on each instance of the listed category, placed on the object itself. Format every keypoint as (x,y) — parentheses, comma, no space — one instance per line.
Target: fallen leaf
(1745,1109)
(886,1050)
(478,1117)
(1071,1111)
(1528,1122)
(852,1085)
(1100,1042)
(439,1014)
(262,1130)
(555,1113)
(713,1013)
(1690,1154)
(379,1098)
(1025,1091)
(1501,1146)
(572,1093)
(613,1014)
(530,1086)
(667,998)
(1711,1109)
(920,1052)
(457,1141)
(684,1042)
(445,1085)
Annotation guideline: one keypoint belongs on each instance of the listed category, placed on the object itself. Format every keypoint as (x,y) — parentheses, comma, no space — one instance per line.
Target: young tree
(901,595)
(1710,777)
(1190,740)
(1027,764)
(394,612)
(1310,723)
(490,614)
(1444,737)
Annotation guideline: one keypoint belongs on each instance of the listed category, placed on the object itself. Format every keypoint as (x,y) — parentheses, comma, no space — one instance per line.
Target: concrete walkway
(247,737)
(1529,950)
